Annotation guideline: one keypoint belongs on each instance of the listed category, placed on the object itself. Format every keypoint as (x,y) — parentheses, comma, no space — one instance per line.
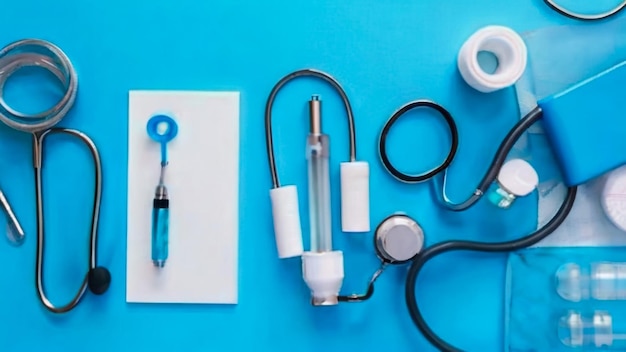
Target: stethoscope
(488,179)
(35,52)
(399,239)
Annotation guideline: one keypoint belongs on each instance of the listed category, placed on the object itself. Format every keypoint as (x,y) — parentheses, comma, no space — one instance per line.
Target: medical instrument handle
(38,141)
(449,246)
(268,115)
(160,231)
(496,164)
(17,233)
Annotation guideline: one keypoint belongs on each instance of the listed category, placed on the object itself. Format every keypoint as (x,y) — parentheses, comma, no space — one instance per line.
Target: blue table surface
(384,53)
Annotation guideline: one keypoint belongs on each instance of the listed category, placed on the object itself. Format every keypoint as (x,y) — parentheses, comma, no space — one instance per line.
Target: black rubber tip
(99,280)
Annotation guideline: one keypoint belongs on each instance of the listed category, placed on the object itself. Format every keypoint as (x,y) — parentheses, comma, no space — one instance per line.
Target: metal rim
(582,17)
(381,253)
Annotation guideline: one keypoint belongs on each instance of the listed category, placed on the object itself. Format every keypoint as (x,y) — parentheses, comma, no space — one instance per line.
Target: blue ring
(152,128)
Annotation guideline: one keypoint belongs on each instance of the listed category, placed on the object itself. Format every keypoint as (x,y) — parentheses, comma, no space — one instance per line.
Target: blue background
(384,53)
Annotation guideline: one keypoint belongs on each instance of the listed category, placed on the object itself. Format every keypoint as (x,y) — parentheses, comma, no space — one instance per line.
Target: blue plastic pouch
(566,299)
(582,124)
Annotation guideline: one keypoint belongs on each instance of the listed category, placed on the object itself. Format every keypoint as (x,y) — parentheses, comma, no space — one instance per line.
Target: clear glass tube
(319,192)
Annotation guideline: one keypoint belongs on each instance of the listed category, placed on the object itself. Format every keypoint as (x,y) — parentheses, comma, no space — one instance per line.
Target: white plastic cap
(506,45)
(355,196)
(518,177)
(287,228)
(323,273)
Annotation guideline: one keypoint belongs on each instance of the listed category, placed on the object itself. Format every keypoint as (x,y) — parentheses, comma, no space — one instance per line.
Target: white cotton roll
(287,228)
(355,197)
(507,46)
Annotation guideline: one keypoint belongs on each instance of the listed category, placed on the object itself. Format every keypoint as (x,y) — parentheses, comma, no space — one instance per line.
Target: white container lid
(518,177)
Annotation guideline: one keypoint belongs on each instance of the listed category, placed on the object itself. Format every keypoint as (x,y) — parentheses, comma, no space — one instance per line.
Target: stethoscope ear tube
(582,17)
(382,144)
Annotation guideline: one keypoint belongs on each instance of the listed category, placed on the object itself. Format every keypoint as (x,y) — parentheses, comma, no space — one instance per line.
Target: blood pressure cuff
(566,299)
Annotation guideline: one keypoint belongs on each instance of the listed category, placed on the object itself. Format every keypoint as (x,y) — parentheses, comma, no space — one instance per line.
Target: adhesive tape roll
(509,49)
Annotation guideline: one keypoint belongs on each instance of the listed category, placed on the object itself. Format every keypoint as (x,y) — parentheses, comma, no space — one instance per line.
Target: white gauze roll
(507,46)
(287,228)
(355,196)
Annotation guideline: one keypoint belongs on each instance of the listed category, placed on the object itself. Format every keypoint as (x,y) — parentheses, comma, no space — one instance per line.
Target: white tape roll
(509,49)
(355,197)
(287,228)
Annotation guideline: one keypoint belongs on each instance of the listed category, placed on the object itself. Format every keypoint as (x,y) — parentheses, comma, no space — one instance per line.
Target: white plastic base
(323,273)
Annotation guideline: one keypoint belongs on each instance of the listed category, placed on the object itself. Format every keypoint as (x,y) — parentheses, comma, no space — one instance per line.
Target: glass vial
(318,152)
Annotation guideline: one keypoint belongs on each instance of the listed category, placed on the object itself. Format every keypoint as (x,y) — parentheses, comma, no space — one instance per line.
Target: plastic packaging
(598,281)
(590,331)
(562,299)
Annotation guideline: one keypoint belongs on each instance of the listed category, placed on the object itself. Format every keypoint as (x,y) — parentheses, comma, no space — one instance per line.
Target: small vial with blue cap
(517,178)
(162,129)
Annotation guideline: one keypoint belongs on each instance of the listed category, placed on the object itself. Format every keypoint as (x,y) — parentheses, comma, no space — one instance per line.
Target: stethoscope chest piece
(398,239)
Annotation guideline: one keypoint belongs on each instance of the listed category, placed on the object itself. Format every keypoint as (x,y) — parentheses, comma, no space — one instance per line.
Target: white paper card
(202,179)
